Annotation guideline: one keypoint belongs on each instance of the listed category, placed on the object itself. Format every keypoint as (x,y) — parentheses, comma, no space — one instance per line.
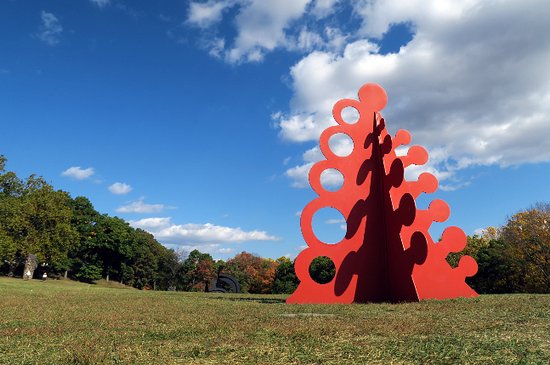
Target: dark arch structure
(216,285)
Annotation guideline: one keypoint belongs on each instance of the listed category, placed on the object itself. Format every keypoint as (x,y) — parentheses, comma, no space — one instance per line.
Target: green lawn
(63,322)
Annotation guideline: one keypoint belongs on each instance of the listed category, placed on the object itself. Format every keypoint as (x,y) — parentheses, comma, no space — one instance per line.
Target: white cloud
(206,14)
(191,234)
(215,47)
(471,86)
(119,188)
(323,8)
(101,3)
(211,248)
(78,173)
(50,29)
(261,26)
(152,224)
(139,206)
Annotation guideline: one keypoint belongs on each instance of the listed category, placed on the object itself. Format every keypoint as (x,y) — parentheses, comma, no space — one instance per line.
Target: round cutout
(350,115)
(332,179)
(322,270)
(341,144)
(329,225)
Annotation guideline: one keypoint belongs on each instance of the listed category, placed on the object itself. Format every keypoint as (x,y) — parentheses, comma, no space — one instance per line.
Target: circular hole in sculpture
(332,179)
(322,270)
(350,115)
(341,144)
(329,225)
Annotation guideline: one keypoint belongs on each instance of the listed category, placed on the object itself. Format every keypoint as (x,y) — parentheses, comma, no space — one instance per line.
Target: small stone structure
(31,263)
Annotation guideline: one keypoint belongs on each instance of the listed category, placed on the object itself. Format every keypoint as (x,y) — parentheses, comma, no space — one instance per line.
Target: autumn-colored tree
(527,235)
(196,271)
(255,274)
(514,258)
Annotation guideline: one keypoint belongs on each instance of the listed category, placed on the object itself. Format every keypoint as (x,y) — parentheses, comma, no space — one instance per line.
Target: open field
(63,322)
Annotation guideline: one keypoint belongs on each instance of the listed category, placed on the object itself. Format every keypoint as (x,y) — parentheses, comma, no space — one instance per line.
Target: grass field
(63,322)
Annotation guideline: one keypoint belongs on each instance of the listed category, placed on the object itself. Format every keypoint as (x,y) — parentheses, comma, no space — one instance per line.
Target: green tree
(112,240)
(197,270)
(141,267)
(473,245)
(47,224)
(322,269)
(285,281)
(166,276)
(496,273)
(84,219)
(35,219)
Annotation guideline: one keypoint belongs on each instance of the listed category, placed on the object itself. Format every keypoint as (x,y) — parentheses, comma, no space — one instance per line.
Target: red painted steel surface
(387,253)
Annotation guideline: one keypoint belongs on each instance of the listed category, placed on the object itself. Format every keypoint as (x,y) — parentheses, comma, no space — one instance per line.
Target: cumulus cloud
(323,8)
(101,3)
(471,85)
(206,14)
(50,29)
(139,206)
(261,26)
(78,173)
(119,188)
(199,235)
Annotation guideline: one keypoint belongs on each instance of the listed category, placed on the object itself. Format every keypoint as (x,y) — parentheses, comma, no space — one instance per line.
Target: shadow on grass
(262,300)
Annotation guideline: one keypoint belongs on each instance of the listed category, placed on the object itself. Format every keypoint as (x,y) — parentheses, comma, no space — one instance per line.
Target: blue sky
(198,120)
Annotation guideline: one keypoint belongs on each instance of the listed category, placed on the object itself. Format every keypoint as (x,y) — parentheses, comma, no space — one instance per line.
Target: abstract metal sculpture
(387,254)
(223,283)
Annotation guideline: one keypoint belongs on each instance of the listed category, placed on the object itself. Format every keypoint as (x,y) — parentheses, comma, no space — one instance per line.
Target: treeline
(71,239)
(514,258)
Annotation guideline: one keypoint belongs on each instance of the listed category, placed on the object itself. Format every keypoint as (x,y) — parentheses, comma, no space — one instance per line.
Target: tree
(322,270)
(35,219)
(254,274)
(10,184)
(112,243)
(285,280)
(49,233)
(143,264)
(89,273)
(514,258)
(71,236)
(496,273)
(166,276)
(197,270)
(84,219)
(474,244)
(527,235)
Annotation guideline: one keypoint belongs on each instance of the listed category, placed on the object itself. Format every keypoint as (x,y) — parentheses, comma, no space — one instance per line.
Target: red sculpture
(387,254)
